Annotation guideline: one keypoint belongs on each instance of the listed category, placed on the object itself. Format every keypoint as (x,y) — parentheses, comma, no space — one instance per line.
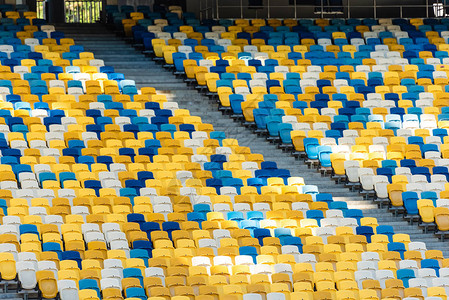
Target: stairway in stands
(125,59)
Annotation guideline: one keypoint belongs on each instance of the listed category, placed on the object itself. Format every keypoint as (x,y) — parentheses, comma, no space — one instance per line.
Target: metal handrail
(348,7)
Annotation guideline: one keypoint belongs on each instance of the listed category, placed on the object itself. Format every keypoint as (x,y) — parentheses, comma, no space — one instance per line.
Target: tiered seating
(109,192)
(363,99)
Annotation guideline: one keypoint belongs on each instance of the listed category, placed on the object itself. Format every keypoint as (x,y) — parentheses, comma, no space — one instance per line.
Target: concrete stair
(125,59)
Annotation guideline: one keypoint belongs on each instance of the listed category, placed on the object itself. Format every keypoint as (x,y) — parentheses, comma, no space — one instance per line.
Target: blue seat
(405,275)
(386,230)
(366,231)
(251,225)
(282,232)
(410,202)
(136,292)
(261,233)
(311,147)
(196,217)
(52,247)
(441,170)
(72,255)
(255,215)
(389,172)
(89,284)
(325,197)
(140,253)
(398,247)
(28,228)
(250,251)
(133,273)
(170,227)
(324,153)
(292,241)
(431,264)
(353,213)
(136,218)
(421,171)
(315,214)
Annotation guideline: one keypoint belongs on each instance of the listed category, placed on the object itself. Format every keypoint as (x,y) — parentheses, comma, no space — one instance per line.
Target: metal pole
(201,9)
(322,8)
(427,8)
(296,14)
(241,9)
(218,14)
(349,9)
(400,12)
(268,9)
(375,9)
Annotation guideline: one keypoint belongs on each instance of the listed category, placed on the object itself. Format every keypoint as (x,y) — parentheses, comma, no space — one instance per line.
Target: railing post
(349,9)
(268,9)
(296,13)
(322,8)
(217,12)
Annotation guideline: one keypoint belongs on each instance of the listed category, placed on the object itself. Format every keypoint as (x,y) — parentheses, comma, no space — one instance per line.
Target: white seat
(28,257)
(360,276)
(443,203)
(349,222)
(418,246)
(67,290)
(113,283)
(155,272)
(444,272)
(325,232)
(54,219)
(113,263)
(383,275)
(409,264)
(370,266)
(420,283)
(90,227)
(26,272)
(330,222)
(208,243)
(261,269)
(221,207)
(242,207)
(221,260)
(428,274)
(116,236)
(370,256)
(283,268)
(120,245)
(301,206)
(201,261)
(334,213)
(219,234)
(275,296)
(252,297)
(307,258)
(45,265)
(111,273)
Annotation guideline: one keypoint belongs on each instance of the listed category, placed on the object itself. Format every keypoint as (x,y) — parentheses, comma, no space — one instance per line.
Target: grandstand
(160,154)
